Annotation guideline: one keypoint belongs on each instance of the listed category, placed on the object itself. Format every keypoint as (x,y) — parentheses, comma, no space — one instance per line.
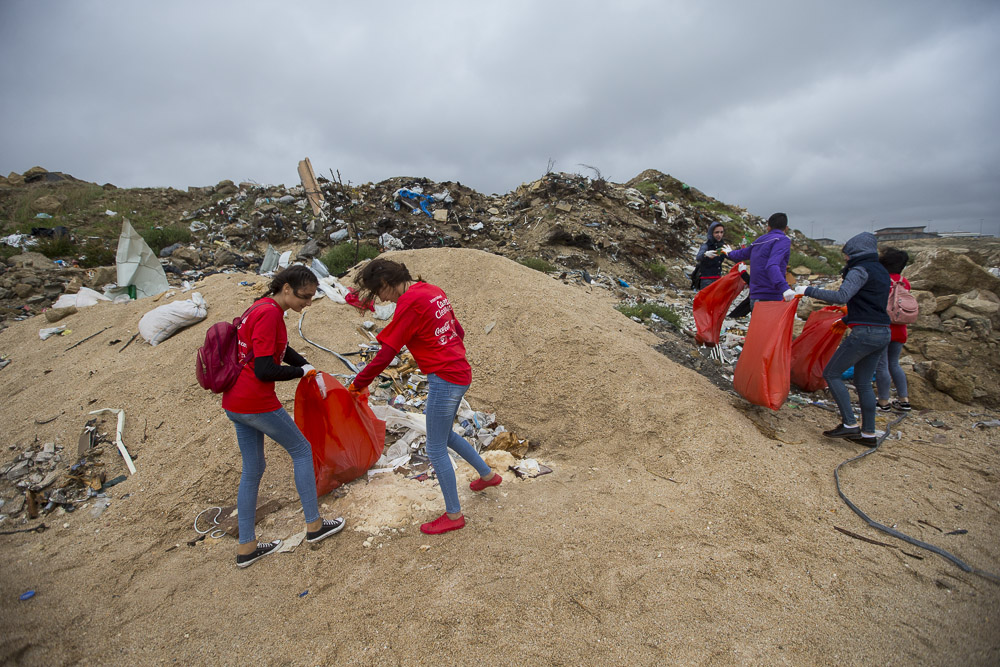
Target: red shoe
(480,484)
(443,524)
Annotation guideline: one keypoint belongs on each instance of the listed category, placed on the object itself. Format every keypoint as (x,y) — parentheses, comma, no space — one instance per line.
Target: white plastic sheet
(138,265)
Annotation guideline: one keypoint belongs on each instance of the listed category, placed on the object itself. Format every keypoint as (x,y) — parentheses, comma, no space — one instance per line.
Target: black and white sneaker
(843,431)
(263,549)
(901,406)
(883,408)
(329,527)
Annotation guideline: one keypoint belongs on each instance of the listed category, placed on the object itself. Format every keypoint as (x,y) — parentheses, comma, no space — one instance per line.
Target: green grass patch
(648,188)
(537,263)
(159,238)
(8,251)
(645,311)
(95,253)
(343,256)
(814,264)
(656,269)
(60,247)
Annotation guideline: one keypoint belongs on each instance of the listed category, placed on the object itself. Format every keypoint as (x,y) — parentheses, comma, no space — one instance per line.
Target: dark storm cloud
(847,115)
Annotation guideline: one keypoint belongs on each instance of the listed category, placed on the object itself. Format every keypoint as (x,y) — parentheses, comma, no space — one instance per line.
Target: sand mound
(678,525)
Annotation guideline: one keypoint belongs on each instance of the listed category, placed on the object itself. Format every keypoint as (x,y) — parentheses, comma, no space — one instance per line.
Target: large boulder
(928,305)
(948,379)
(15,178)
(46,204)
(35,174)
(33,260)
(982,303)
(944,272)
(226,187)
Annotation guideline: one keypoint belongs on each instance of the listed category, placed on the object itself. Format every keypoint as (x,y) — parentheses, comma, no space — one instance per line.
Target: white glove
(800,290)
(726,249)
(741,267)
(305,369)
(711,254)
(788,294)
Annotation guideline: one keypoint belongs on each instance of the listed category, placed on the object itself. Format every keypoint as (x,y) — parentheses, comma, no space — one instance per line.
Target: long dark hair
(894,259)
(296,276)
(378,273)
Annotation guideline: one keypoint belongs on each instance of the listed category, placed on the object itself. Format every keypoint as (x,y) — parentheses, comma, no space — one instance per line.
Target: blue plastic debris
(623,283)
(303,594)
(27,595)
(414,201)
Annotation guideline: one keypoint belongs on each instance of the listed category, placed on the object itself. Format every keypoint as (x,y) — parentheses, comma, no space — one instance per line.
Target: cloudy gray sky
(848,116)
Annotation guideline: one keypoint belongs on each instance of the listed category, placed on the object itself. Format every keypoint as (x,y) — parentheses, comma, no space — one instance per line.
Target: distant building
(966,235)
(825,241)
(903,233)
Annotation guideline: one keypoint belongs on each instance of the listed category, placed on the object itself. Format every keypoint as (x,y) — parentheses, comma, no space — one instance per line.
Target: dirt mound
(678,526)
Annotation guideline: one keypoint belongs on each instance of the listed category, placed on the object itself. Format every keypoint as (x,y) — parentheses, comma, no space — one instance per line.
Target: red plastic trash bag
(812,349)
(712,303)
(762,373)
(346,436)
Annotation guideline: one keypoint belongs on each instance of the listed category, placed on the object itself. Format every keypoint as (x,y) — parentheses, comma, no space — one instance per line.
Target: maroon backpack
(218,363)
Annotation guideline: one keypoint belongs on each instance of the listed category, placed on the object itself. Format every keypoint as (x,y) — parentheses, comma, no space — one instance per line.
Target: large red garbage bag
(346,436)
(712,303)
(812,349)
(762,373)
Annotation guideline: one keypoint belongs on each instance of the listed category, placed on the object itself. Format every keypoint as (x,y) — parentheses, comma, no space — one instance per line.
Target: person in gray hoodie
(865,290)
(709,259)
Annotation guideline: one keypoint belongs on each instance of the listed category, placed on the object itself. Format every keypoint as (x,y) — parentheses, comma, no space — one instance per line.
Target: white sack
(160,323)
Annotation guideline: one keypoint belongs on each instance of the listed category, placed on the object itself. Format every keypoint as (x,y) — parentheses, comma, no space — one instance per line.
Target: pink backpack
(902,306)
(217,362)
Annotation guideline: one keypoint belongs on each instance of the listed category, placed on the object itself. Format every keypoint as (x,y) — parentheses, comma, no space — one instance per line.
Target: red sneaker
(443,524)
(480,484)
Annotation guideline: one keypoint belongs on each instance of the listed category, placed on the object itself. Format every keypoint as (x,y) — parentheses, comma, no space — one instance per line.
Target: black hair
(296,276)
(894,259)
(377,274)
(778,221)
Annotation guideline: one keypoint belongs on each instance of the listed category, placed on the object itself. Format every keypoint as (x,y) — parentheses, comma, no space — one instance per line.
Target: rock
(242,231)
(35,174)
(309,250)
(943,302)
(981,302)
(951,381)
(23,290)
(187,255)
(56,314)
(46,204)
(441,215)
(226,257)
(926,318)
(944,272)
(801,271)
(938,349)
(226,188)
(493,211)
(31,260)
(565,208)
(102,276)
(15,178)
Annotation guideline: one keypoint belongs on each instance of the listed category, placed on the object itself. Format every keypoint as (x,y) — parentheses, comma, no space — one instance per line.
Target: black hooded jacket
(710,267)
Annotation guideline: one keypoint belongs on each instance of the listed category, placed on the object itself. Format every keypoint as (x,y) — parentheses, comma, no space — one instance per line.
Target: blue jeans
(861,348)
(889,370)
(443,399)
(250,432)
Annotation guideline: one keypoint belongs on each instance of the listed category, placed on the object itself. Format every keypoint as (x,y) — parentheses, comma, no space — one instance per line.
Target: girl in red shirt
(255,410)
(888,371)
(425,323)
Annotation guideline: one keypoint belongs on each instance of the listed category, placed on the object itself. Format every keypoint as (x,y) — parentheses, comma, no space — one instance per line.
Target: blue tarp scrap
(415,201)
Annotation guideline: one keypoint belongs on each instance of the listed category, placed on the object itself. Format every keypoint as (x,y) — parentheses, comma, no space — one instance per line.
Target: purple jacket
(768,259)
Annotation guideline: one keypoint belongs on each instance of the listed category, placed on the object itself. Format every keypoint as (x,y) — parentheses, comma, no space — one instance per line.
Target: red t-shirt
(899,332)
(261,334)
(425,323)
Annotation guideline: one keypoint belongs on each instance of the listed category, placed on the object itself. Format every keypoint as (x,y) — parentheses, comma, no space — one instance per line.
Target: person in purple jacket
(768,259)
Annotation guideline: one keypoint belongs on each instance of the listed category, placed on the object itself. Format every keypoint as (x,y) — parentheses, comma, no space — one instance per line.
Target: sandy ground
(680,525)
